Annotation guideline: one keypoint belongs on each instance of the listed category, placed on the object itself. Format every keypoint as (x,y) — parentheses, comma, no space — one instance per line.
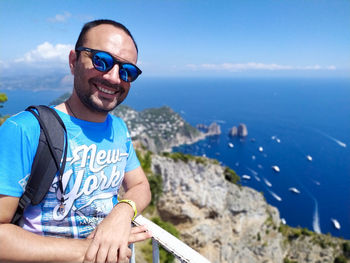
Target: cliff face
(230,223)
(158,129)
(224,222)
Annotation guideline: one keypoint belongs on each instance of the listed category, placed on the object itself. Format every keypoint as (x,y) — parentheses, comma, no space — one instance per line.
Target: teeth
(106,90)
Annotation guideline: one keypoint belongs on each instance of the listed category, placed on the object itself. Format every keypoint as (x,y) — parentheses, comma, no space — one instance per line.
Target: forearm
(19,245)
(140,194)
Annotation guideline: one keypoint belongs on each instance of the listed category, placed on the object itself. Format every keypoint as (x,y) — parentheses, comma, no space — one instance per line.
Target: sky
(187,37)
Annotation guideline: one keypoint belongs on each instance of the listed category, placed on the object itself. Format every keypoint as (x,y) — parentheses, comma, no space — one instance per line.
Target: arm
(17,244)
(110,238)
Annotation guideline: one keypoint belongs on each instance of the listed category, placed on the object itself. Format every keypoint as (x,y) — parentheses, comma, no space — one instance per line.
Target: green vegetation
(287,260)
(346,249)
(231,175)
(340,259)
(164,256)
(3,99)
(155,182)
(177,156)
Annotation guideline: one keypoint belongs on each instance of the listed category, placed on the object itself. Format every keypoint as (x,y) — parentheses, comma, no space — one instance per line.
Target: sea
(288,120)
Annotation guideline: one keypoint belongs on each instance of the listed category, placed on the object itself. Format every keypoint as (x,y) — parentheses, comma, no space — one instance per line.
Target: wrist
(131,204)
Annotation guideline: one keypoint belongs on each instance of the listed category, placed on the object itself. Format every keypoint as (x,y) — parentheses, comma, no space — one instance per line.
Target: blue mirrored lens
(131,71)
(102,61)
(123,74)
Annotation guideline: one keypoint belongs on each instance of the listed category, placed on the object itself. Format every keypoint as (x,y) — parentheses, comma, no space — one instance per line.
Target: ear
(72,60)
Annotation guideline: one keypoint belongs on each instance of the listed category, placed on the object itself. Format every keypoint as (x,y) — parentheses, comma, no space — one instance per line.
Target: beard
(94,102)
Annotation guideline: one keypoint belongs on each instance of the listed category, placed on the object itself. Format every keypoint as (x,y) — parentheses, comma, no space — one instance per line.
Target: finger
(124,254)
(91,252)
(138,229)
(138,237)
(112,256)
(102,254)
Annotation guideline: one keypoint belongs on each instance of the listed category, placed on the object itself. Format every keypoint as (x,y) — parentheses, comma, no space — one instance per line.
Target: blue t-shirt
(98,156)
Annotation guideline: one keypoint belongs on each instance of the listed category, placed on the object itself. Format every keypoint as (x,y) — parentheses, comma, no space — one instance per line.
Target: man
(91,224)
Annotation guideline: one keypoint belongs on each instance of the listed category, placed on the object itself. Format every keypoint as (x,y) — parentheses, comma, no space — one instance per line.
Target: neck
(74,107)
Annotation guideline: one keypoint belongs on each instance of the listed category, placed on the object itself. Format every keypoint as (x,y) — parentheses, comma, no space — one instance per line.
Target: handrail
(169,242)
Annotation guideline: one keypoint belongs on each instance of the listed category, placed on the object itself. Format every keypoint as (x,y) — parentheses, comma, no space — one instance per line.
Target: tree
(3,98)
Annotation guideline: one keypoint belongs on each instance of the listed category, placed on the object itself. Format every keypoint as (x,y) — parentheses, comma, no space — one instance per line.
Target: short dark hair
(98,22)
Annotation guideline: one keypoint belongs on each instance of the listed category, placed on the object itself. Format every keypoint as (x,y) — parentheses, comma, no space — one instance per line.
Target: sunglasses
(104,62)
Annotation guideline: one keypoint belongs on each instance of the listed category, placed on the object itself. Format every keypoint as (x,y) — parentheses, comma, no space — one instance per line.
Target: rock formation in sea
(233,132)
(241,131)
(212,130)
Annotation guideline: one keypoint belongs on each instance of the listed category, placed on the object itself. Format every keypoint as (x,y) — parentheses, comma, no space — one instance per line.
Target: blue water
(308,116)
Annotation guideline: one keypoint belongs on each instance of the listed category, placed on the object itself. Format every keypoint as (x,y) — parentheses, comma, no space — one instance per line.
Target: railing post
(132,259)
(155,251)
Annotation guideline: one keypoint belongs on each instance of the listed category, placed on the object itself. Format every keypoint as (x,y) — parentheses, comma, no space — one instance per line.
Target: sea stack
(214,129)
(233,132)
(242,130)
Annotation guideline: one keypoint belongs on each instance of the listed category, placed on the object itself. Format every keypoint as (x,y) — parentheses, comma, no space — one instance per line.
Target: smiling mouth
(107,91)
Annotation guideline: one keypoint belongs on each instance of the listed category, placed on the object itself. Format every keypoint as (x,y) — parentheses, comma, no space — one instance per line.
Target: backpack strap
(48,159)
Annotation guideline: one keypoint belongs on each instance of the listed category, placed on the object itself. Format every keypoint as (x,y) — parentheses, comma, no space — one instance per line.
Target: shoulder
(23,120)
(116,121)
(119,125)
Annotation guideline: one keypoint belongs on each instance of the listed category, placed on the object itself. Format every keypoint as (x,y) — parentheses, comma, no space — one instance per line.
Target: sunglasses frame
(115,61)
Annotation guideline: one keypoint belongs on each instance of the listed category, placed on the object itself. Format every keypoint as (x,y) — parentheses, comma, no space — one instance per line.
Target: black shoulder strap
(48,159)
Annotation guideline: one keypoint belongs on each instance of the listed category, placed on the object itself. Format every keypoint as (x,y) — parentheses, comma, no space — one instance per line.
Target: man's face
(103,91)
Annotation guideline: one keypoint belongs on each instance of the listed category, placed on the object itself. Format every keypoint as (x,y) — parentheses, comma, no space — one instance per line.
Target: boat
(283,221)
(276,168)
(267,182)
(246,177)
(230,144)
(294,190)
(278,140)
(309,158)
(253,157)
(335,223)
(260,149)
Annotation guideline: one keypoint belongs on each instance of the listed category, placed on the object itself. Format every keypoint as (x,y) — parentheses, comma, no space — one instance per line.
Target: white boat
(260,149)
(253,157)
(335,223)
(246,177)
(267,182)
(283,221)
(230,144)
(309,158)
(278,140)
(276,168)
(294,190)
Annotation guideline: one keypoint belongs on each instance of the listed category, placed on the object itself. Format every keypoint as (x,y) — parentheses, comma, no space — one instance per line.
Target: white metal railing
(169,242)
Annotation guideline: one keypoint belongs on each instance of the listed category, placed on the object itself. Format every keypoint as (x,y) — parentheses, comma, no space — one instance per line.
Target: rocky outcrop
(229,223)
(241,131)
(212,130)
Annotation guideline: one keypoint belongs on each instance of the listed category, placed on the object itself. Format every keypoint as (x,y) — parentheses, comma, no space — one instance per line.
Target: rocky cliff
(229,223)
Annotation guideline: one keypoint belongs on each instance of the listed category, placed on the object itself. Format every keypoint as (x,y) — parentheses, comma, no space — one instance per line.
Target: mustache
(107,84)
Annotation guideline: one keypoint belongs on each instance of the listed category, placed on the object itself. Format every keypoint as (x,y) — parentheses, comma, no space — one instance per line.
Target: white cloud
(60,18)
(47,52)
(254,66)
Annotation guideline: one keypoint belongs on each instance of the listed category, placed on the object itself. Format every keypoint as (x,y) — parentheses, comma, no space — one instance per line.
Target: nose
(113,75)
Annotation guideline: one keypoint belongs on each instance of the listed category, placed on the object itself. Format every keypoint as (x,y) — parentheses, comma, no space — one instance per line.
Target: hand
(110,239)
